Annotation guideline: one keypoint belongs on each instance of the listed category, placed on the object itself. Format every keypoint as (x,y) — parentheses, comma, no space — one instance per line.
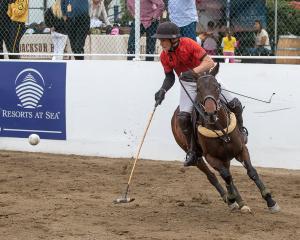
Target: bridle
(212,117)
(211,97)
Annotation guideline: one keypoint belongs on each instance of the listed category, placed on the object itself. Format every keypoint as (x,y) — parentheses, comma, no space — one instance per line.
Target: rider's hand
(159,96)
(188,76)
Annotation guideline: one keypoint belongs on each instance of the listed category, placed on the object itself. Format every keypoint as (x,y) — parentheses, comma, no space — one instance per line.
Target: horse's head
(208,92)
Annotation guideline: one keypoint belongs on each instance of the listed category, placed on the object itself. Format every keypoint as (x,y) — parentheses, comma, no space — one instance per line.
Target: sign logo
(33,99)
(30,88)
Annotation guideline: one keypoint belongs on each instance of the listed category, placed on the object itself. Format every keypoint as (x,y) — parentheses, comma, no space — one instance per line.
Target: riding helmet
(167,30)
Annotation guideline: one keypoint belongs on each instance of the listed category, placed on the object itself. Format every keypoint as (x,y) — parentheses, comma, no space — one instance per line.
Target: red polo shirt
(187,55)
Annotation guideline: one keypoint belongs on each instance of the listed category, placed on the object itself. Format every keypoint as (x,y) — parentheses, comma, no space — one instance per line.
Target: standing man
(76,15)
(4,26)
(18,13)
(151,11)
(184,15)
(185,57)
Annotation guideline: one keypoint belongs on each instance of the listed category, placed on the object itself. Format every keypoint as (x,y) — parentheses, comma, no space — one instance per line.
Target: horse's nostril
(210,106)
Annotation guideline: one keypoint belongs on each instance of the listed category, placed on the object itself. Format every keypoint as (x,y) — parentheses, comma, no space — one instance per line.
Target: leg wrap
(231,194)
(252,173)
(225,174)
(265,193)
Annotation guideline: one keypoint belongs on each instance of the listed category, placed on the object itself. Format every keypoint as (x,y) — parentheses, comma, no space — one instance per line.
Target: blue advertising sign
(33,99)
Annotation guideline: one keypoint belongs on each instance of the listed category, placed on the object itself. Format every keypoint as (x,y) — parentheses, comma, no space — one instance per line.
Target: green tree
(288,18)
(125,15)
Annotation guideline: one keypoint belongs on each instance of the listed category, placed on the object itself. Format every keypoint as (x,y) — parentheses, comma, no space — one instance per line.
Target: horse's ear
(214,71)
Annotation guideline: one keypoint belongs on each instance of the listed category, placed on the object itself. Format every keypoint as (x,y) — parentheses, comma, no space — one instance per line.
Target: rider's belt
(218,133)
(188,80)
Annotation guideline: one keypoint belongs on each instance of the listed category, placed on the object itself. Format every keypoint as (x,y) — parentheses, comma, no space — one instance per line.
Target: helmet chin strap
(174,44)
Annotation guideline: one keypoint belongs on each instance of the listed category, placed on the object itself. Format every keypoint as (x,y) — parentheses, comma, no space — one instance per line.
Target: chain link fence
(110,29)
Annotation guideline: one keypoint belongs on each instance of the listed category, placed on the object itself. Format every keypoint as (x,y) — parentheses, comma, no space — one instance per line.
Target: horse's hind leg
(244,157)
(201,165)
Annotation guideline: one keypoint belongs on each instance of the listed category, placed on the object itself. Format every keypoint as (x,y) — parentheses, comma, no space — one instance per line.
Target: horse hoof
(224,197)
(245,209)
(234,206)
(275,208)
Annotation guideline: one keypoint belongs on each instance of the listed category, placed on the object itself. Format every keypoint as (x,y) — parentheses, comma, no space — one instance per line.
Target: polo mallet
(125,198)
(256,99)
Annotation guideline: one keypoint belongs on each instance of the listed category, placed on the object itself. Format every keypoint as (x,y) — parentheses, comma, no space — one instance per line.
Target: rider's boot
(185,123)
(236,107)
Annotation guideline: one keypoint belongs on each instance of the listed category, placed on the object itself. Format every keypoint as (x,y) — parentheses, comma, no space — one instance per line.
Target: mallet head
(123,200)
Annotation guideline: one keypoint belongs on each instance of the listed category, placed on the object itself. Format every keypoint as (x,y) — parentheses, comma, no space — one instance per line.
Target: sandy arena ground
(45,196)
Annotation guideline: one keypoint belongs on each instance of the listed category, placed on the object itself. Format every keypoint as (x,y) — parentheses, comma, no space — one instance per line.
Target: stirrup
(191,159)
(244,132)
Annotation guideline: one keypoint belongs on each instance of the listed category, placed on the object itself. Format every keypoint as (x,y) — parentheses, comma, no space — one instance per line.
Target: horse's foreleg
(223,169)
(238,198)
(244,157)
(202,166)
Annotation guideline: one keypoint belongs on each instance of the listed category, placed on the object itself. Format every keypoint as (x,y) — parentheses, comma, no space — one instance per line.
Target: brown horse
(219,140)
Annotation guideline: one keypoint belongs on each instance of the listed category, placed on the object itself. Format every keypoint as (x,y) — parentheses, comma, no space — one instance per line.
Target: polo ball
(34,139)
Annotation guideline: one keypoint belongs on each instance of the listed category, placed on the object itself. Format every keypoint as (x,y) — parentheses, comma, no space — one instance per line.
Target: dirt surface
(46,196)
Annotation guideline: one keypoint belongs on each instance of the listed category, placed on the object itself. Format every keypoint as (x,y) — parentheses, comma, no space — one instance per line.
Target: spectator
(184,15)
(18,13)
(201,38)
(210,39)
(98,14)
(76,15)
(4,26)
(151,11)
(115,30)
(262,42)
(229,44)
(54,20)
(211,30)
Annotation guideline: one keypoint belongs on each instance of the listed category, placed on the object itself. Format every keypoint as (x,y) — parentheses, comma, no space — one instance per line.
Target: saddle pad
(217,133)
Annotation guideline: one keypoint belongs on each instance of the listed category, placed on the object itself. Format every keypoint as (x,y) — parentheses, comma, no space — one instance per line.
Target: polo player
(185,57)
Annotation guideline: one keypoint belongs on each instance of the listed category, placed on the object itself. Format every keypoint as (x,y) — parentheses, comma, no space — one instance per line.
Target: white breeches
(185,104)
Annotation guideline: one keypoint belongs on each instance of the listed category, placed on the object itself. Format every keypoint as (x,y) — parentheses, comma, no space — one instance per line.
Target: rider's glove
(159,96)
(188,76)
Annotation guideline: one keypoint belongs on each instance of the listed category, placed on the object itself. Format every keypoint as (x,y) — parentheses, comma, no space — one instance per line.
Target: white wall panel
(109,103)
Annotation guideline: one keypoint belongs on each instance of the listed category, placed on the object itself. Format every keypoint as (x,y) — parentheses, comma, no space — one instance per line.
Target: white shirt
(99,12)
(259,36)
(182,12)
